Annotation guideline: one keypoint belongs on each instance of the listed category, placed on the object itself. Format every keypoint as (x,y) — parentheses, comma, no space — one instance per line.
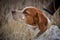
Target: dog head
(34,16)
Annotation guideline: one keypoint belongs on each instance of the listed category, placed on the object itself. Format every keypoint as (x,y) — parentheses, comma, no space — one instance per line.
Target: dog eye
(24,12)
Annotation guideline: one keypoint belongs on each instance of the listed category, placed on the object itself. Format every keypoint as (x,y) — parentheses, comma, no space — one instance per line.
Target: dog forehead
(31,9)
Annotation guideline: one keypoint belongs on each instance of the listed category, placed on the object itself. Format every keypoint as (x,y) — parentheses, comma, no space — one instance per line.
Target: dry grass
(16,30)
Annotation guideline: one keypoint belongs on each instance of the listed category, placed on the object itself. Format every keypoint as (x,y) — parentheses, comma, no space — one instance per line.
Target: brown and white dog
(34,16)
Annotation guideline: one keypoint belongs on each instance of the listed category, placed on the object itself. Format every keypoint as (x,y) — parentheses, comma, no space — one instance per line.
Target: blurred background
(50,7)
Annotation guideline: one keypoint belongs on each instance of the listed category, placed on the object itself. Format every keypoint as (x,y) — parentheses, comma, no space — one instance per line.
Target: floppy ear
(43,22)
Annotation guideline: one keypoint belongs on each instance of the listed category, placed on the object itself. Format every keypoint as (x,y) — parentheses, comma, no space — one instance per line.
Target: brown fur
(34,17)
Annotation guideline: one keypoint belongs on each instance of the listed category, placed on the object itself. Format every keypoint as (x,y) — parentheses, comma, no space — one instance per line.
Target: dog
(34,16)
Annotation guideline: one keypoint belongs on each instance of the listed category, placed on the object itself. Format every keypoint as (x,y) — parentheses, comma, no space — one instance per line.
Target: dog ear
(43,22)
